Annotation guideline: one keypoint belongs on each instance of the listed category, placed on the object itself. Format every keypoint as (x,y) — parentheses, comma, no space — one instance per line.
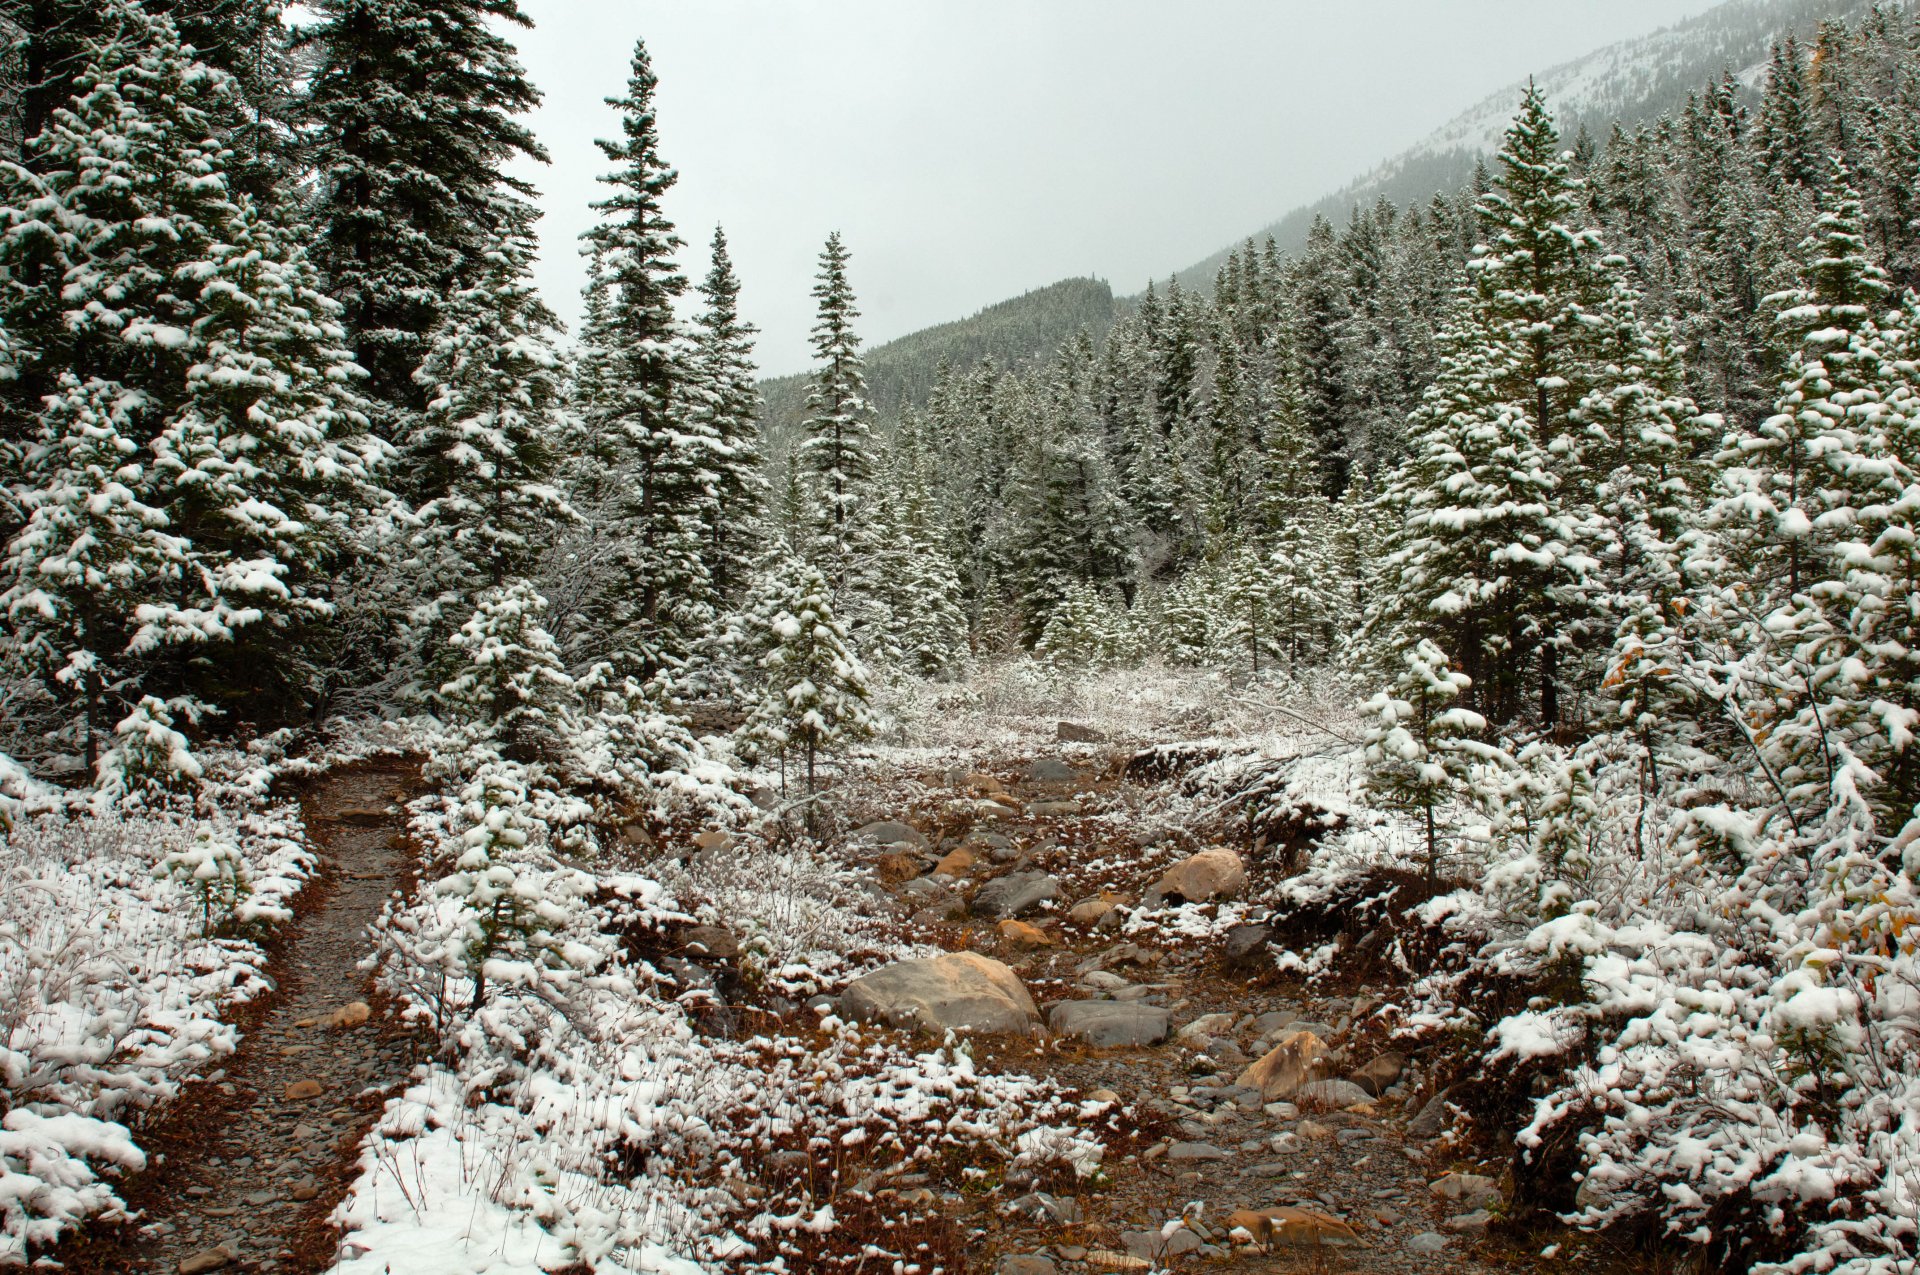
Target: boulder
(1110,1024)
(891,832)
(1075,733)
(1298,1059)
(1014,893)
(1291,1227)
(1212,874)
(1380,1074)
(1247,945)
(959,991)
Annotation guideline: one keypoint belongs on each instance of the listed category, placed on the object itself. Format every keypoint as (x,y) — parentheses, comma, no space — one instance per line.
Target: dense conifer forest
(1533,566)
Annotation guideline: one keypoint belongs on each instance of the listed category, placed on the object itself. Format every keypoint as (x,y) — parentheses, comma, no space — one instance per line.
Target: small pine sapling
(1421,746)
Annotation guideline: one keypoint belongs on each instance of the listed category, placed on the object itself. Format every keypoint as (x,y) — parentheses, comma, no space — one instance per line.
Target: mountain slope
(1630,82)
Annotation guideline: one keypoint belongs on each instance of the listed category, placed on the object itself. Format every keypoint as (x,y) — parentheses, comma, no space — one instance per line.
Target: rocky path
(1038,863)
(247,1166)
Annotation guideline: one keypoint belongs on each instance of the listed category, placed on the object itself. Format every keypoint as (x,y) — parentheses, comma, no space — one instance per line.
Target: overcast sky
(969,150)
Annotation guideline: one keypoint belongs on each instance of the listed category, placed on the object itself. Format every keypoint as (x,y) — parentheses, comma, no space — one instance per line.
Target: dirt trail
(1219,1150)
(243,1175)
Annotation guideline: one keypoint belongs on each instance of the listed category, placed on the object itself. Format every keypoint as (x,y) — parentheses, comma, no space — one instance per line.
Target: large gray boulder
(959,991)
(1014,893)
(1110,1024)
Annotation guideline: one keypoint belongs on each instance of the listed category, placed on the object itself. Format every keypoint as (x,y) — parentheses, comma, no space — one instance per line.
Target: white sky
(969,150)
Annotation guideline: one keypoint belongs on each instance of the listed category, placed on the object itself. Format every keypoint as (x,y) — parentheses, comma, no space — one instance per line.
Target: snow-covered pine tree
(815,692)
(661,506)
(203,325)
(485,453)
(413,105)
(726,399)
(837,453)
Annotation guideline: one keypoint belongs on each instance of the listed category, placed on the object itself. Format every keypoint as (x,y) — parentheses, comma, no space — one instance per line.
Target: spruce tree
(413,105)
(662,494)
(837,451)
(814,690)
(726,400)
(484,455)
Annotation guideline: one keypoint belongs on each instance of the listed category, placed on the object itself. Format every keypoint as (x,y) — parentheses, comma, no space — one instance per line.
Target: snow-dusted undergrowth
(125,940)
(581,1111)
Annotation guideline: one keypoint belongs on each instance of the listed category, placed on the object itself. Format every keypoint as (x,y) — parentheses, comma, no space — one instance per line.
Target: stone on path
(1470,1189)
(959,991)
(1474,1223)
(211,1259)
(1014,893)
(1051,770)
(301,1090)
(1054,809)
(955,863)
(1217,873)
(1025,1264)
(1427,1242)
(1297,1060)
(352,1014)
(1331,1093)
(1380,1074)
(1022,934)
(1075,733)
(1152,1244)
(1305,1228)
(1110,1024)
(1103,1259)
(1196,1151)
(304,1188)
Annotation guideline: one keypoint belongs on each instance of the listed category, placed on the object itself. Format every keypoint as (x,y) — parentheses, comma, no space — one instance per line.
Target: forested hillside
(1499,617)
(902,373)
